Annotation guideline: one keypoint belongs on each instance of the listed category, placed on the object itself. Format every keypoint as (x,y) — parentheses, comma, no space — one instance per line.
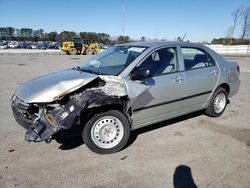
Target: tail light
(238,69)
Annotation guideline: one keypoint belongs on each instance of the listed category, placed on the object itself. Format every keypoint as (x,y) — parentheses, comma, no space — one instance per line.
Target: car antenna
(183,37)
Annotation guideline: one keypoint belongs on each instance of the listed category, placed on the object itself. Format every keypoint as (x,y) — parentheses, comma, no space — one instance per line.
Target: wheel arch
(226,87)
(90,112)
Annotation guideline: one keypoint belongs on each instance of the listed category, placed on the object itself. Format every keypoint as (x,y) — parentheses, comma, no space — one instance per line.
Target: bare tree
(236,14)
(229,32)
(245,17)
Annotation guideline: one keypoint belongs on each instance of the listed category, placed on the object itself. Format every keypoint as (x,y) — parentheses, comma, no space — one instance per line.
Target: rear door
(201,75)
(163,99)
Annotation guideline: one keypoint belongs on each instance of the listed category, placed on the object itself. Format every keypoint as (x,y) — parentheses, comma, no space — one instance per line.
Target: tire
(73,51)
(93,52)
(106,132)
(217,103)
(90,51)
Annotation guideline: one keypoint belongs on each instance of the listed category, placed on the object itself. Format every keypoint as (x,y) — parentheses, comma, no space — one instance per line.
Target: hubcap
(89,52)
(107,132)
(220,102)
(73,51)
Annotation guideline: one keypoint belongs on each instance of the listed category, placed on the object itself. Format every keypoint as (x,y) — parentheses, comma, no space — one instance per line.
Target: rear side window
(196,58)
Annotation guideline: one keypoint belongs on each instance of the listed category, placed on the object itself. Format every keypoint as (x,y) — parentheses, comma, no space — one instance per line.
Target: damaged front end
(42,120)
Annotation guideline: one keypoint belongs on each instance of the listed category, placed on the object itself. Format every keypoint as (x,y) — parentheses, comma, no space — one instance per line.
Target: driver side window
(161,62)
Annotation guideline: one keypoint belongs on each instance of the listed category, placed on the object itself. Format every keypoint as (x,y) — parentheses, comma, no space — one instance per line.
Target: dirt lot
(191,150)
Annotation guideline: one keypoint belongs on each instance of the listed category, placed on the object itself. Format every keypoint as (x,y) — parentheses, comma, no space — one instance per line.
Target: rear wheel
(218,103)
(73,51)
(106,132)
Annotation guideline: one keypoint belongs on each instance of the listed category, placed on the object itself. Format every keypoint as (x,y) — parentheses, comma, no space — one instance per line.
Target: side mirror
(141,74)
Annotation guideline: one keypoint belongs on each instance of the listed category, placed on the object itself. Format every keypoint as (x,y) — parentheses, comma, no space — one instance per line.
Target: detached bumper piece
(49,124)
(40,130)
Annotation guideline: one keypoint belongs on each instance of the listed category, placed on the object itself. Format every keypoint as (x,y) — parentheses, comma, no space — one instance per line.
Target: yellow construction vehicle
(80,46)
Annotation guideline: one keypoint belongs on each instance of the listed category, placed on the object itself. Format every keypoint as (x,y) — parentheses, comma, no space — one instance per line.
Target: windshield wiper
(87,70)
(91,71)
(76,68)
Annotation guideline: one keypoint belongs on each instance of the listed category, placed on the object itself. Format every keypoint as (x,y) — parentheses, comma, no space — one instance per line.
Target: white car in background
(13,44)
(3,46)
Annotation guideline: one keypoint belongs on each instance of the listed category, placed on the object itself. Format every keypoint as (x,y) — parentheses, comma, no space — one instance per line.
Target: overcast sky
(162,19)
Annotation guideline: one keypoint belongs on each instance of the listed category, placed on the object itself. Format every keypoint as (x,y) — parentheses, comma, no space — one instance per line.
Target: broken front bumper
(36,130)
(43,125)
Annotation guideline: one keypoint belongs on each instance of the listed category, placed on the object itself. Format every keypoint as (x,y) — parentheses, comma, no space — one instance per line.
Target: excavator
(80,46)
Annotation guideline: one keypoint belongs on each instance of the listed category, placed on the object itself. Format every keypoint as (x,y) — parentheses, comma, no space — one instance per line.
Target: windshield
(112,61)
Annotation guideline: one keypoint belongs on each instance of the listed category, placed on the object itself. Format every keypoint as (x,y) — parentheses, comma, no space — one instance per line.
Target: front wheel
(106,132)
(218,103)
(73,51)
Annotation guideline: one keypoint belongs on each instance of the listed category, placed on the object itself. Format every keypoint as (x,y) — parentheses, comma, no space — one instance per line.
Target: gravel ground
(190,150)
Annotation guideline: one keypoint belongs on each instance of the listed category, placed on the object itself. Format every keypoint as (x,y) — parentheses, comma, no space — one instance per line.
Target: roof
(159,43)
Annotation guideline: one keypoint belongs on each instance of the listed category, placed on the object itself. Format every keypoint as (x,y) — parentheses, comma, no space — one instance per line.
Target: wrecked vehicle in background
(124,88)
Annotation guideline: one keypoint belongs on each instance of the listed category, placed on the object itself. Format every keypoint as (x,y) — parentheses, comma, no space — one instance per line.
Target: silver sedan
(125,88)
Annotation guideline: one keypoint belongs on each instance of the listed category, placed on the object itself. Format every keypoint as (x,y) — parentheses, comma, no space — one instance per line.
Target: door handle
(214,72)
(178,79)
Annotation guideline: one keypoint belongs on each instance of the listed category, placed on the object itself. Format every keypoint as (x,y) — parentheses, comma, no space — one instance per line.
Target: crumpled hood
(46,88)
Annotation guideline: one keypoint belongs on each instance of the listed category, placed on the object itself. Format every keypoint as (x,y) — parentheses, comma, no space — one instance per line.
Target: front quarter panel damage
(63,113)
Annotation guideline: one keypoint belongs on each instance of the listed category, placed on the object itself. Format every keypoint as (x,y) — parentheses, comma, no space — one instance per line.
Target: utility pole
(123,17)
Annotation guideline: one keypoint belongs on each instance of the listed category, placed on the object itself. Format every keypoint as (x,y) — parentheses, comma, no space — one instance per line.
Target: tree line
(24,34)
